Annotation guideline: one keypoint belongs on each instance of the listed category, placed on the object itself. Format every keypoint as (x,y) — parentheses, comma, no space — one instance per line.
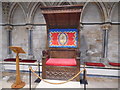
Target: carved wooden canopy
(62,16)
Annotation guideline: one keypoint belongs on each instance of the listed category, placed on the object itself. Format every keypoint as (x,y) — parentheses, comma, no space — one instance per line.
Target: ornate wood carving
(61,17)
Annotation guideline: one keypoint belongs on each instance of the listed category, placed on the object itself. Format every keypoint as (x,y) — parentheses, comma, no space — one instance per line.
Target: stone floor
(93,82)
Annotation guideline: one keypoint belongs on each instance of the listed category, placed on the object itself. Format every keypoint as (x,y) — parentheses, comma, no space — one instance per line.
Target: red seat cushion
(61,62)
(95,64)
(114,64)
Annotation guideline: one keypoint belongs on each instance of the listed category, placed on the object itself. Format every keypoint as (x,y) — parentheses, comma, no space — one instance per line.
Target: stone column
(30,40)
(106,29)
(9,39)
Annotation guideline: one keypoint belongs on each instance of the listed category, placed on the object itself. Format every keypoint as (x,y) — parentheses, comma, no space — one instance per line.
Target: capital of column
(8,28)
(81,27)
(29,27)
(106,27)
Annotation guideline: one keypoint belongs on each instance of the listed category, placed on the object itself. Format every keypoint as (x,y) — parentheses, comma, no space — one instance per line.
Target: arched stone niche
(113,41)
(18,15)
(114,13)
(39,40)
(38,17)
(20,38)
(92,13)
(91,43)
(91,35)
(19,33)
(113,44)
(39,33)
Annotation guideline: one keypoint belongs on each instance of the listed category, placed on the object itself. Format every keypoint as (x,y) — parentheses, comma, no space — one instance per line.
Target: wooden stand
(18,83)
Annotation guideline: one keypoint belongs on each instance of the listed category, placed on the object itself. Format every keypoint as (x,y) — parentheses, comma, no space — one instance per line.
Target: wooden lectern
(18,83)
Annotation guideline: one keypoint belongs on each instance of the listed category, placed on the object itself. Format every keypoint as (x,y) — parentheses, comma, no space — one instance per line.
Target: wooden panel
(62,53)
(62,17)
(62,73)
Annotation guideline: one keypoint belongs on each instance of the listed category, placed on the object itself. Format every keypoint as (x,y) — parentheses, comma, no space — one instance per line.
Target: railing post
(84,80)
(29,78)
(38,80)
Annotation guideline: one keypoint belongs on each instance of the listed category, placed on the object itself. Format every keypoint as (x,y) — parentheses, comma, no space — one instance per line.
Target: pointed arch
(100,7)
(112,10)
(33,10)
(12,10)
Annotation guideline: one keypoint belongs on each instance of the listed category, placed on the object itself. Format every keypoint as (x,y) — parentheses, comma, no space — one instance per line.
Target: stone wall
(91,43)
(91,34)
(0,31)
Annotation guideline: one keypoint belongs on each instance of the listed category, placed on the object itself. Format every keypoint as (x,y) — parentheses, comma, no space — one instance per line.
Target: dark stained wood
(61,17)
(62,7)
(62,54)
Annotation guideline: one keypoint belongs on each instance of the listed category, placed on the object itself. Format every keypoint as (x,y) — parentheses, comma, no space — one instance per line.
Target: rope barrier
(55,83)
(37,67)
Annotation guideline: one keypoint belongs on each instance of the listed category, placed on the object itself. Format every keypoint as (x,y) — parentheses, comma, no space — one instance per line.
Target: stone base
(20,85)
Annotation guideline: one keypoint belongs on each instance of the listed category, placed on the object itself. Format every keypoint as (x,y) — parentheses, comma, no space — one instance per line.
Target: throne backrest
(62,53)
(63,24)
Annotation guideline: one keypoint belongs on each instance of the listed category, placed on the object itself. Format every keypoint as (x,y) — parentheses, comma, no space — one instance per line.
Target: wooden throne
(61,59)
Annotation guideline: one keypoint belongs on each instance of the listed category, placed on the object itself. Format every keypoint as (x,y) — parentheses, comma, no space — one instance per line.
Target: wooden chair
(61,59)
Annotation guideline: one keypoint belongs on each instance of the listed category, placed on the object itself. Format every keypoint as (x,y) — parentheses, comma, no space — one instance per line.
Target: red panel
(114,64)
(28,61)
(71,39)
(10,60)
(24,60)
(95,64)
(61,62)
(54,38)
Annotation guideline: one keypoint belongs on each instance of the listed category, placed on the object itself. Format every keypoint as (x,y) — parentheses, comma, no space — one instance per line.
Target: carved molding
(29,27)
(81,27)
(106,26)
(8,27)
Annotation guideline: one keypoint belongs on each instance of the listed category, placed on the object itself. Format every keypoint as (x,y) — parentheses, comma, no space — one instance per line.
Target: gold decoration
(62,38)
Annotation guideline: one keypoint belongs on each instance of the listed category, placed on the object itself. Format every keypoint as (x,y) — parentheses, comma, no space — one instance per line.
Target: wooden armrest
(77,58)
(78,53)
(44,57)
(45,53)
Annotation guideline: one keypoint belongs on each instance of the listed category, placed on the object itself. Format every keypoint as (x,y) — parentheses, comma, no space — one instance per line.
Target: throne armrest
(78,57)
(45,56)
(78,53)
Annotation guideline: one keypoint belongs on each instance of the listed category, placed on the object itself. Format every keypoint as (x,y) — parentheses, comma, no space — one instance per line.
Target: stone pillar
(9,39)
(30,40)
(106,29)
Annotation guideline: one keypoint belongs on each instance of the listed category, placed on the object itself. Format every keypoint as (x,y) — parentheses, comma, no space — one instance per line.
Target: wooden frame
(61,17)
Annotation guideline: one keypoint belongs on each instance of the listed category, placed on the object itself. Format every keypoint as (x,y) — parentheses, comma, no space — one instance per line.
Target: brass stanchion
(38,80)
(83,80)
(29,78)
